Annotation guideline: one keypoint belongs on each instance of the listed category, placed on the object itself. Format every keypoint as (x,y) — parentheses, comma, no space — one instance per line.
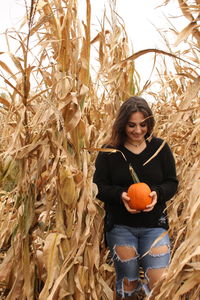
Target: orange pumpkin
(139,195)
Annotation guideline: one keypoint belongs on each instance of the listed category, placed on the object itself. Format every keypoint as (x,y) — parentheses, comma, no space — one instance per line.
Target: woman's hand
(154,197)
(125,200)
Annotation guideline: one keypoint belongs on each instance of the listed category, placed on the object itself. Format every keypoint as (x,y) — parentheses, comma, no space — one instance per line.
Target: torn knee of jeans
(125,253)
(129,284)
(129,287)
(159,250)
(156,273)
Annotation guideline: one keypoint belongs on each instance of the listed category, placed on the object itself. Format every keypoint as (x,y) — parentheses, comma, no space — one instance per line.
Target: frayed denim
(141,240)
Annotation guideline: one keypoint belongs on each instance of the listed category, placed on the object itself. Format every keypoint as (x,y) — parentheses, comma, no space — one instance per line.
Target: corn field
(56,111)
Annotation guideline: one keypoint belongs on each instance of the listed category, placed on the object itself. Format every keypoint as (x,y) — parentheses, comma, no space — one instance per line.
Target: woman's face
(136,128)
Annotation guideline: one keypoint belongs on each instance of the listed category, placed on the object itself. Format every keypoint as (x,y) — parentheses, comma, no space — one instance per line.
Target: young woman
(130,234)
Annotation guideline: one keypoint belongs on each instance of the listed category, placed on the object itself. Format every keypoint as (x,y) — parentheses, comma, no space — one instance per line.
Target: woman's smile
(136,128)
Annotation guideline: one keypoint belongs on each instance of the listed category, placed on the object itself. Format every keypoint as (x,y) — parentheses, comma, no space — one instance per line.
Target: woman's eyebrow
(135,123)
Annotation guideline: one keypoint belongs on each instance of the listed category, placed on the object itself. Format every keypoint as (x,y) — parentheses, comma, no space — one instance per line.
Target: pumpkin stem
(133,174)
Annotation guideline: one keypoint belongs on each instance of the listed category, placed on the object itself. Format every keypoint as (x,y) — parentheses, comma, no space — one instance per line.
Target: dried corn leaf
(185,9)
(67,187)
(183,35)
(52,262)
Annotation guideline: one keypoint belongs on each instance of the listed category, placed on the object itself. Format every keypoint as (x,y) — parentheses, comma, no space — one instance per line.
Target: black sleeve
(107,192)
(167,189)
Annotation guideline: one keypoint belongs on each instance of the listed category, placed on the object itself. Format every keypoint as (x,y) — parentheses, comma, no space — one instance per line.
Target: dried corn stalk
(178,120)
(51,223)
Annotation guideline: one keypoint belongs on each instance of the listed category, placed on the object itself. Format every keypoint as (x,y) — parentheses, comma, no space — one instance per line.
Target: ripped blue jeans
(141,240)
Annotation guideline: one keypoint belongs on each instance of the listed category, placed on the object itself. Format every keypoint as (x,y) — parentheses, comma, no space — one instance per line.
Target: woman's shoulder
(157,141)
(106,149)
(107,146)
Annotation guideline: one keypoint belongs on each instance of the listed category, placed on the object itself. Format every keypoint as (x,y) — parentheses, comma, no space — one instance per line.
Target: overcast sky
(142,20)
(141,17)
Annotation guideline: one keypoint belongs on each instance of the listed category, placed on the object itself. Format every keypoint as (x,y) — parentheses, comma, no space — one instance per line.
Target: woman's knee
(159,250)
(125,253)
(127,269)
(155,273)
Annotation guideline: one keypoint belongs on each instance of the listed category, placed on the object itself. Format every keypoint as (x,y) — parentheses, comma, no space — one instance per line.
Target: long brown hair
(130,106)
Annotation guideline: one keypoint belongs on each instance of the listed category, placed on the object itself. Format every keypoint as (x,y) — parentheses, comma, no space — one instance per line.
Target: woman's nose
(138,129)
